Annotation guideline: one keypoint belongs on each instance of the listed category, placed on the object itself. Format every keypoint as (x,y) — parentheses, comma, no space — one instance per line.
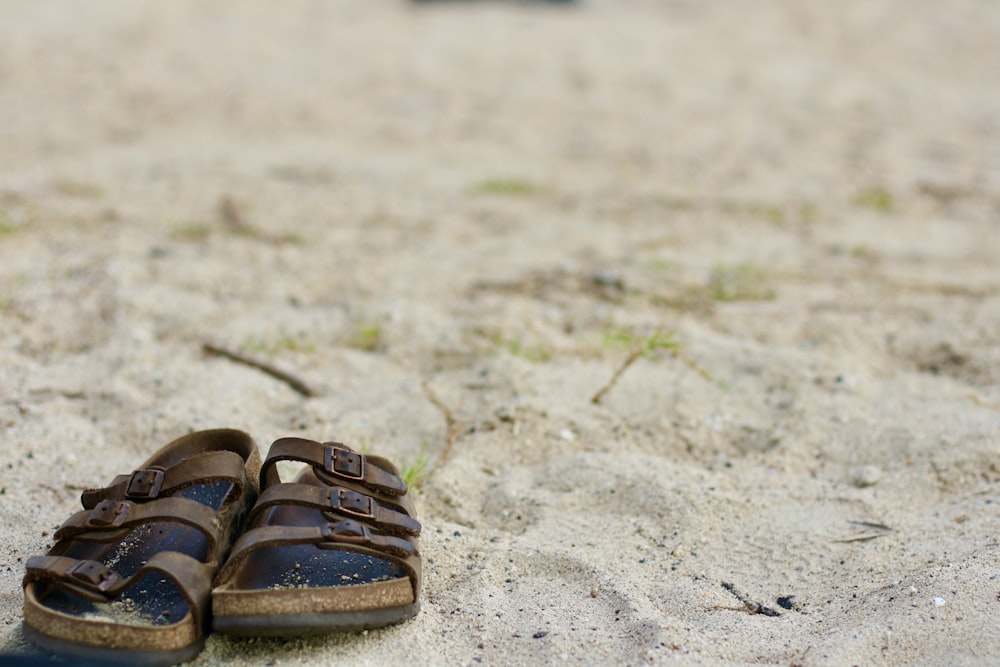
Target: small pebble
(593,592)
(869,475)
(539,634)
(608,278)
(939,602)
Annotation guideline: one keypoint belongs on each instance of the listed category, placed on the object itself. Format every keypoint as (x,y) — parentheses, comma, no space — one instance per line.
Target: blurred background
(378,194)
(455,223)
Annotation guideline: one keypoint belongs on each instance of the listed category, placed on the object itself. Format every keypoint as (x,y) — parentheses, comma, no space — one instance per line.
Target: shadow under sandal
(129,578)
(334,550)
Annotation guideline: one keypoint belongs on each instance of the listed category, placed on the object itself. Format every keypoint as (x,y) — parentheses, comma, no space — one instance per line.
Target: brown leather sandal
(129,578)
(334,550)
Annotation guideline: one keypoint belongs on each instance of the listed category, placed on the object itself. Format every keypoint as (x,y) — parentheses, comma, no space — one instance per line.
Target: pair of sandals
(141,574)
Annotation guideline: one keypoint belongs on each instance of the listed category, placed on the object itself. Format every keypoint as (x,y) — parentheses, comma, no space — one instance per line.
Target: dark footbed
(308,565)
(155,599)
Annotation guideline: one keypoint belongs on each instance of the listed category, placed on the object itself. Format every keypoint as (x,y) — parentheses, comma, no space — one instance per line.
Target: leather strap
(354,532)
(333,463)
(88,578)
(96,582)
(332,535)
(109,518)
(155,481)
(340,501)
(351,535)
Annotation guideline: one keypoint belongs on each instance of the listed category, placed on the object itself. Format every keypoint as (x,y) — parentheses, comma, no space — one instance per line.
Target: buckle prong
(109,513)
(346,531)
(94,575)
(344,462)
(145,484)
(352,503)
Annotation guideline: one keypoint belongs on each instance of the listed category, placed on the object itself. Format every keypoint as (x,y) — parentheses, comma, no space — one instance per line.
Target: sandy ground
(478,212)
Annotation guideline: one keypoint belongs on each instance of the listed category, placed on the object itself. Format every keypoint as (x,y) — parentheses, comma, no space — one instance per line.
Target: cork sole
(300,625)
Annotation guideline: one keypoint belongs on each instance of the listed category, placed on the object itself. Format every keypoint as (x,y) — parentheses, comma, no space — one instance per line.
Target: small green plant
(773,213)
(367,337)
(630,340)
(416,473)
(862,251)
(291,238)
(78,189)
(658,341)
(677,203)
(807,213)
(662,265)
(532,353)
(743,282)
(282,343)
(518,348)
(876,198)
(510,187)
(8,225)
(192,232)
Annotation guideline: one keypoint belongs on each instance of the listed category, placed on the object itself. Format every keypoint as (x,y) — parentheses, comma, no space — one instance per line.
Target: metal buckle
(108,513)
(94,575)
(344,463)
(347,531)
(145,484)
(345,501)
(351,532)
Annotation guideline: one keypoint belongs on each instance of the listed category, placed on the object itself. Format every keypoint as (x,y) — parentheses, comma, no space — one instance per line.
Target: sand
(455,222)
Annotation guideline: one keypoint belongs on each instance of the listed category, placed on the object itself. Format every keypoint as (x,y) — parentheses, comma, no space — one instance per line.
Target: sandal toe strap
(345,534)
(94,581)
(347,531)
(89,579)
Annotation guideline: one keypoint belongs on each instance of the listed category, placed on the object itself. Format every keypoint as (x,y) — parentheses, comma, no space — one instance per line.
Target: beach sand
(455,222)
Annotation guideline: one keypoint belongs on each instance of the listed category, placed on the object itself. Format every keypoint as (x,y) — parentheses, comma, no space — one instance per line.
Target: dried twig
(859,538)
(232,218)
(454,428)
(696,367)
(869,524)
(291,380)
(881,529)
(749,605)
(629,360)
(235,222)
(654,342)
